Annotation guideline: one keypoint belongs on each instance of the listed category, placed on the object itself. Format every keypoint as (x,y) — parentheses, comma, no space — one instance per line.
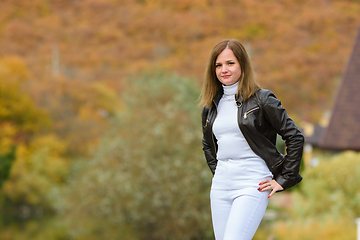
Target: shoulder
(265,96)
(263,93)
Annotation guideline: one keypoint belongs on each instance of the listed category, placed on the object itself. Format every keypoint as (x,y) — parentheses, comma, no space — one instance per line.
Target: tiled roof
(343,131)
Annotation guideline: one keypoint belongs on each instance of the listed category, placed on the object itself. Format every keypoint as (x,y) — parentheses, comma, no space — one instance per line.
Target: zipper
(239,106)
(251,110)
(207,119)
(278,163)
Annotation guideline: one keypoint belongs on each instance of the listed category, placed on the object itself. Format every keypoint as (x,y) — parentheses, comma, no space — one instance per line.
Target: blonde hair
(211,85)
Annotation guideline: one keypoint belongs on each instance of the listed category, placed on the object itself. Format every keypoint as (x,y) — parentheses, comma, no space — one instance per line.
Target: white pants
(236,214)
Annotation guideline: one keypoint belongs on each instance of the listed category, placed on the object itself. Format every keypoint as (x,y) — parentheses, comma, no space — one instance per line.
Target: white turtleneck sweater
(238,166)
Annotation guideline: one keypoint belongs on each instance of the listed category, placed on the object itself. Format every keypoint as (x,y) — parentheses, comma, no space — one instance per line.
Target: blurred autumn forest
(84,85)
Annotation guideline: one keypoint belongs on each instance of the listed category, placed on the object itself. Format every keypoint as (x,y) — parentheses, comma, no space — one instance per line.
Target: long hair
(211,85)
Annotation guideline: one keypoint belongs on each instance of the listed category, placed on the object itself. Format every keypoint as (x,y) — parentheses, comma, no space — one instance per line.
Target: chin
(229,83)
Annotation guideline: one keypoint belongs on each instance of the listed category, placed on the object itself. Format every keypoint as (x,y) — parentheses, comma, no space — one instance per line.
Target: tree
(6,161)
(37,169)
(20,119)
(292,44)
(148,177)
(31,159)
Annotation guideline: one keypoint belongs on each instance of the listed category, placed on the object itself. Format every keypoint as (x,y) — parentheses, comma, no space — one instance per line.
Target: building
(343,131)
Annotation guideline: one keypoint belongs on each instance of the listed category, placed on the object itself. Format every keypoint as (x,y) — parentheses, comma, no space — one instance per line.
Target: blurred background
(100,133)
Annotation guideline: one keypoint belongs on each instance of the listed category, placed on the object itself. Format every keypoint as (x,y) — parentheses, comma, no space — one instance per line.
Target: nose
(224,69)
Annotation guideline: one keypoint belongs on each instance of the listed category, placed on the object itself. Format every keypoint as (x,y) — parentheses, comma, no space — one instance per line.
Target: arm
(294,140)
(206,142)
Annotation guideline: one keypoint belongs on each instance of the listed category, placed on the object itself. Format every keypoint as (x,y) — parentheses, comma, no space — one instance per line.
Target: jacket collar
(239,101)
(218,96)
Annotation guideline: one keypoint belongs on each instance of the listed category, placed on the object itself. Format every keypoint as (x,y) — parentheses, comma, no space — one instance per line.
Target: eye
(217,65)
(231,63)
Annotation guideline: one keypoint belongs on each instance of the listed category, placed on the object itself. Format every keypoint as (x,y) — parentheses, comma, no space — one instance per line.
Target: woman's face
(227,67)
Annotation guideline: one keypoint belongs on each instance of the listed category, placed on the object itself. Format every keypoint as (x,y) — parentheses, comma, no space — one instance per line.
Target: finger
(262,182)
(265,187)
(262,186)
(271,193)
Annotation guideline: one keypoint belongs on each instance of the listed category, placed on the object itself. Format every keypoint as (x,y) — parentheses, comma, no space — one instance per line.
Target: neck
(231,90)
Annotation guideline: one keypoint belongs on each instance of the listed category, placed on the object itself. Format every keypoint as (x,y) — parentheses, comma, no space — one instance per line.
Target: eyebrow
(230,60)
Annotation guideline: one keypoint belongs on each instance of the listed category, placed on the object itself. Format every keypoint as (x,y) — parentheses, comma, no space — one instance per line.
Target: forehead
(226,55)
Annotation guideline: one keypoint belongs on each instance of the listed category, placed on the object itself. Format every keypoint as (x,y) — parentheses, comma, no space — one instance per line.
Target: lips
(226,76)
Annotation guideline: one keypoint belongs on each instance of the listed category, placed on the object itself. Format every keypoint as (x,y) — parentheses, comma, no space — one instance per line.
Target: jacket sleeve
(208,151)
(294,140)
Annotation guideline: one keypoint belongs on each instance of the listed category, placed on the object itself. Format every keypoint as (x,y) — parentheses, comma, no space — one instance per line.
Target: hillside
(299,48)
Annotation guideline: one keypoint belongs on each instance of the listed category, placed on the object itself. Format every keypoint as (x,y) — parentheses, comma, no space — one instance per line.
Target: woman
(240,123)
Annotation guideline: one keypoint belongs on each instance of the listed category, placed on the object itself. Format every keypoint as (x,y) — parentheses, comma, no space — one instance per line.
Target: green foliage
(148,176)
(6,161)
(35,229)
(328,201)
(27,159)
(36,170)
(172,35)
(335,183)
(313,229)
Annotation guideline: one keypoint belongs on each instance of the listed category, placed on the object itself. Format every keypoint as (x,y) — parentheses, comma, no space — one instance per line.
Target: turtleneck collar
(230,90)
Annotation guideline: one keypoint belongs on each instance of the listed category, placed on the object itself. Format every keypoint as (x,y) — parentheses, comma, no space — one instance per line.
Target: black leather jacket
(260,118)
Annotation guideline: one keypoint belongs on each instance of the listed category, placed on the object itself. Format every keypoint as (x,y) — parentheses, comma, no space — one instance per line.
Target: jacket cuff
(282,181)
(288,183)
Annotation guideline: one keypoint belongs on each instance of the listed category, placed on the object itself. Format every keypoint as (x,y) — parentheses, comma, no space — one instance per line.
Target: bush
(148,178)
(328,202)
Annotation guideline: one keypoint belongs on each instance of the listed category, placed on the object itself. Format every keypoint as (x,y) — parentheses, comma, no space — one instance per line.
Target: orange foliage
(79,110)
(299,48)
(18,113)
